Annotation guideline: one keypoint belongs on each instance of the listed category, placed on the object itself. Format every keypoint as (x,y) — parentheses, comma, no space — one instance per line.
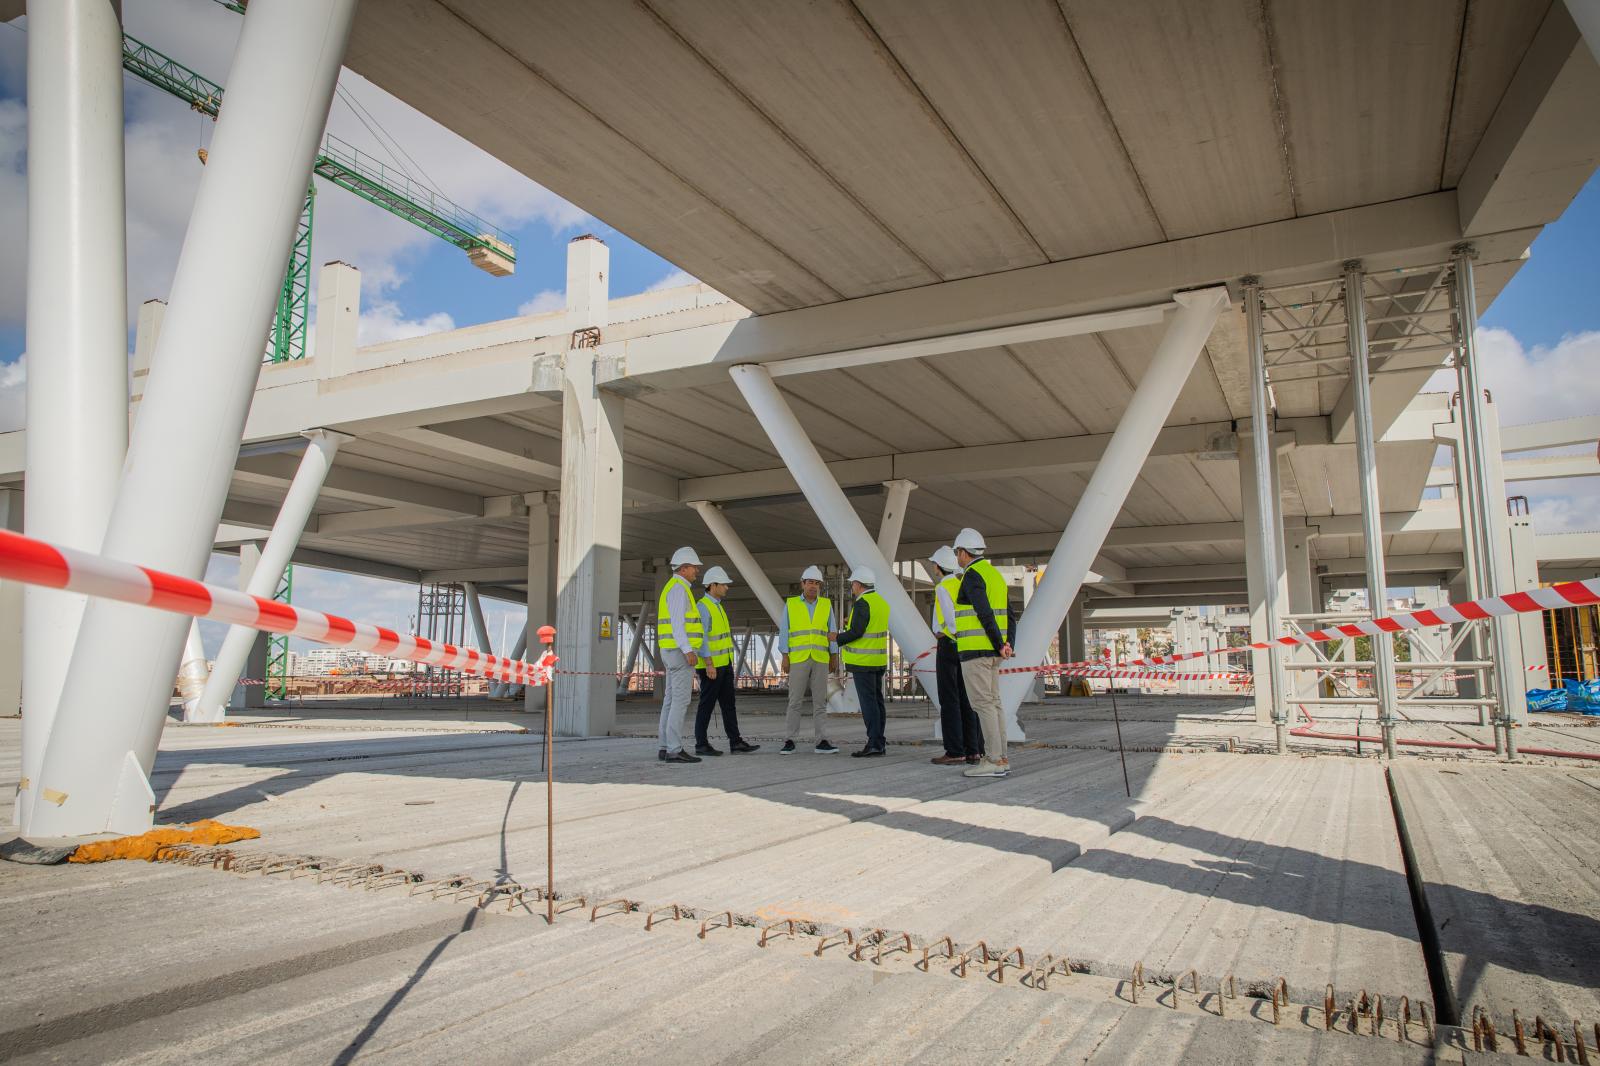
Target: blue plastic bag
(1582,696)
(1545,699)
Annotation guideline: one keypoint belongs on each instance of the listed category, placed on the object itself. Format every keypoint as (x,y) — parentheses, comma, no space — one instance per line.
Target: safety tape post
(35,562)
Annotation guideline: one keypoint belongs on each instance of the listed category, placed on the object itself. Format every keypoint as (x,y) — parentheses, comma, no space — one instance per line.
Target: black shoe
(705,749)
(787,749)
(743,747)
(681,756)
(867,753)
(824,748)
(661,754)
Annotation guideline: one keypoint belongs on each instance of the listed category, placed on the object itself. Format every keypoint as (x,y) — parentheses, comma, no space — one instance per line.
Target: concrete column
(338,316)
(77,330)
(1301,585)
(1074,647)
(1498,533)
(226,286)
(1257,586)
(1530,627)
(896,495)
(152,313)
(299,501)
(254,660)
(10,615)
(542,582)
(589,552)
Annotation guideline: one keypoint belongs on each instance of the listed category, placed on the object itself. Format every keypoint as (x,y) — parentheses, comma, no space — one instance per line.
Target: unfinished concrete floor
(1219,864)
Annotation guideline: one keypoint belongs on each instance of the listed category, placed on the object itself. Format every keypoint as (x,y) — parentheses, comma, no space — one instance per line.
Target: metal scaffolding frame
(441,618)
(1348,330)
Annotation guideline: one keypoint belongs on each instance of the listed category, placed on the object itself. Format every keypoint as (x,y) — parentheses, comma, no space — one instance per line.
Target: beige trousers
(982,678)
(811,675)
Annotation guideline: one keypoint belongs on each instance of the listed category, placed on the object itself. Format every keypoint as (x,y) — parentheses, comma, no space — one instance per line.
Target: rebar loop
(927,949)
(846,937)
(1137,982)
(626,906)
(650,919)
(1328,1010)
(727,922)
(767,931)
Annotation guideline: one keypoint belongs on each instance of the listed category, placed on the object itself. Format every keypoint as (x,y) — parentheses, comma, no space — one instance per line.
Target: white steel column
(1113,476)
(77,329)
(745,563)
(298,502)
(590,550)
(192,672)
(833,510)
(1267,528)
(896,494)
(1487,500)
(519,648)
(10,614)
(193,412)
(1355,313)
(480,631)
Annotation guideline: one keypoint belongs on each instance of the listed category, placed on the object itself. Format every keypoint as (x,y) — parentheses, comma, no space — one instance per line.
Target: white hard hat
(863,575)
(683,556)
(971,540)
(945,559)
(813,573)
(716,576)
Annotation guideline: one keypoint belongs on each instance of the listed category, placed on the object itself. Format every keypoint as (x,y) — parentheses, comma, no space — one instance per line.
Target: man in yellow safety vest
(983,626)
(678,637)
(963,738)
(808,656)
(864,647)
(717,675)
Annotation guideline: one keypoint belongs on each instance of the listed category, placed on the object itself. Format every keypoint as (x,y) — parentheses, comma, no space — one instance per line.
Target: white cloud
(384,321)
(548,300)
(13,393)
(163,172)
(1539,384)
(1565,512)
(672,280)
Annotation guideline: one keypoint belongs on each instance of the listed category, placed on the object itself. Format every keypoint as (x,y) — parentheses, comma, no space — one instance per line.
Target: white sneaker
(985,768)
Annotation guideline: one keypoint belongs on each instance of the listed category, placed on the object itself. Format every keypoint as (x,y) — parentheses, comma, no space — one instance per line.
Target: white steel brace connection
(1102,500)
(276,553)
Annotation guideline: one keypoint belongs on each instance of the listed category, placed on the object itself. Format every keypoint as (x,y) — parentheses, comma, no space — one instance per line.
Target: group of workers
(971,623)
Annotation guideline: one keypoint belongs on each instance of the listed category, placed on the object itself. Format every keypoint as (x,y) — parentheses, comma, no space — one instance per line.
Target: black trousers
(869,693)
(713,692)
(963,736)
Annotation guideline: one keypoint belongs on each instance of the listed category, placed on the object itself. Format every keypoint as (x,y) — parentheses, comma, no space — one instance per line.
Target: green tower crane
(489,248)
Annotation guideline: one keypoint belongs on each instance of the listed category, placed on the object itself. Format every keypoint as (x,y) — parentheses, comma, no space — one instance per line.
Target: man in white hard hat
(678,636)
(963,738)
(809,654)
(864,647)
(983,626)
(717,680)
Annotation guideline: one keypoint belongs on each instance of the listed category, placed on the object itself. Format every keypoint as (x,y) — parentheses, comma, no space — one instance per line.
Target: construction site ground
(1046,917)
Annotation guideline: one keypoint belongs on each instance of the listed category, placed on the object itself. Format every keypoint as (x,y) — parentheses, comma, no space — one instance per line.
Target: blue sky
(1541,338)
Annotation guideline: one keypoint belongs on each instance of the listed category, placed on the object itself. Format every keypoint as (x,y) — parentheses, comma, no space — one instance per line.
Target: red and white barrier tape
(1556,597)
(34,562)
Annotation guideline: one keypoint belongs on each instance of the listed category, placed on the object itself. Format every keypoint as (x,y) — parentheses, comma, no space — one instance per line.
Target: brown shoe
(948,760)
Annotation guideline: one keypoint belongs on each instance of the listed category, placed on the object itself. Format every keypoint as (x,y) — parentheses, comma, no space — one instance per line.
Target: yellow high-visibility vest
(691,621)
(970,634)
(719,641)
(942,626)
(808,629)
(872,650)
